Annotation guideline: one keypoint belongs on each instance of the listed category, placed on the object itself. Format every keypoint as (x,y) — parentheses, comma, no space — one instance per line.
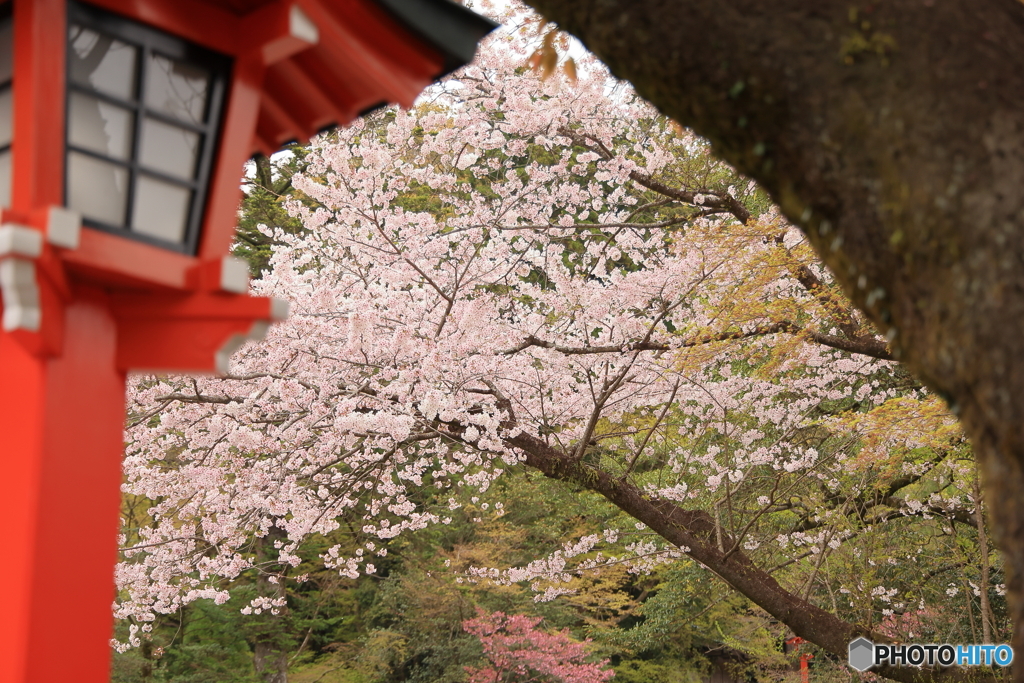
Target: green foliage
(269,186)
(204,643)
(644,671)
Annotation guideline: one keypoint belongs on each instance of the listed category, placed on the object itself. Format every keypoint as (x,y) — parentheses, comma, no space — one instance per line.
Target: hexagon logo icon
(862,654)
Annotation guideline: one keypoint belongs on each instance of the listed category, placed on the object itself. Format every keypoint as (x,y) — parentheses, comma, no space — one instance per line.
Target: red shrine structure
(795,642)
(124,129)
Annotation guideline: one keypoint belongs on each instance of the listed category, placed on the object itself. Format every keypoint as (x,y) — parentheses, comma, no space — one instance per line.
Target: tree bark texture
(893,134)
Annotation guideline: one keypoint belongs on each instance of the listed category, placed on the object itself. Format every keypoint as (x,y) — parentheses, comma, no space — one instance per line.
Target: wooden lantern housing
(92,289)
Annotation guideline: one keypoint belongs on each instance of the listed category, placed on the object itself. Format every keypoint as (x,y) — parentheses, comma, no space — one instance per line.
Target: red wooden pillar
(805,674)
(62,424)
(61,398)
(61,409)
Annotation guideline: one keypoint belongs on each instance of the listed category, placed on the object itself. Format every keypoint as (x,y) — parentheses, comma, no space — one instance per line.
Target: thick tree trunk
(271,664)
(893,134)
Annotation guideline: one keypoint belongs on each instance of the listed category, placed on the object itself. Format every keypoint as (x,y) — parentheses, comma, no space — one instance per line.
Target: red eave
(239,7)
(364,53)
(363,58)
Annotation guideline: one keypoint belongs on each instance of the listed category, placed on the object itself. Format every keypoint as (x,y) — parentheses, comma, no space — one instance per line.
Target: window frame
(7,16)
(148,40)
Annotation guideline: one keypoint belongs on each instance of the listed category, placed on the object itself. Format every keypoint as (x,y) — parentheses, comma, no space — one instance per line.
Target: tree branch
(867,346)
(693,531)
(712,199)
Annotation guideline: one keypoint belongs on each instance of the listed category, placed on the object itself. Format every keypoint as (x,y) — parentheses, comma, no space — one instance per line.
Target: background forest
(547,357)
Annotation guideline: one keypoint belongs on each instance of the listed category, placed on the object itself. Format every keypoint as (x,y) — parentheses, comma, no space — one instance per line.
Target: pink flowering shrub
(516,650)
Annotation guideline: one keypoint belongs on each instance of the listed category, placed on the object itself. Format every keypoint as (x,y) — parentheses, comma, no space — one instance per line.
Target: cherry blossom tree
(547,275)
(517,651)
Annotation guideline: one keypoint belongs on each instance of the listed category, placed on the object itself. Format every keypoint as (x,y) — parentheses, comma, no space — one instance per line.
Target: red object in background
(82,306)
(805,674)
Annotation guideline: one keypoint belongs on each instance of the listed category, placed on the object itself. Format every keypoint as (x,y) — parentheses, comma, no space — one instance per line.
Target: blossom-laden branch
(866,346)
(694,532)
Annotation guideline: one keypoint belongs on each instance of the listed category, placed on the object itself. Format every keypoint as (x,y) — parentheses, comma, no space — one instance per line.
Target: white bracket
(234,275)
(222,360)
(302,27)
(63,227)
(20,294)
(19,246)
(21,241)
(279,309)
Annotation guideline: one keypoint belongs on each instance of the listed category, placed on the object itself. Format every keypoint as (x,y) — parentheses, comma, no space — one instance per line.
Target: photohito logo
(864,654)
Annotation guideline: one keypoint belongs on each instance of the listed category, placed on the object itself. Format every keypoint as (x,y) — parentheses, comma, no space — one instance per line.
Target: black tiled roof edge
(450,28)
